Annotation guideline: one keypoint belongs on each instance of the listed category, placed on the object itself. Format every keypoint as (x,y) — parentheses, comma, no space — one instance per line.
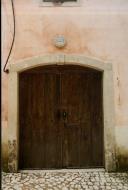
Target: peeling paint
(100,34)
(5,156)
(12,159)
(122,159)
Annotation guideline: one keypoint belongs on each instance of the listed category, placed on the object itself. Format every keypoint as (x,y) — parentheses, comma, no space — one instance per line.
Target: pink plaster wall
(95,29)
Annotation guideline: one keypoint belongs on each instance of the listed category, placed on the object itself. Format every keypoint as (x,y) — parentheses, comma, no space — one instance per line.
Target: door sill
(63,170)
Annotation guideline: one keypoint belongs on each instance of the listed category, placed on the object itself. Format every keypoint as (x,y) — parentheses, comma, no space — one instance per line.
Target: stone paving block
(65,181)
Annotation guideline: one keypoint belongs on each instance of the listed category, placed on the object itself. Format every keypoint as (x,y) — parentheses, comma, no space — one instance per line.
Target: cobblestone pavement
(61,180)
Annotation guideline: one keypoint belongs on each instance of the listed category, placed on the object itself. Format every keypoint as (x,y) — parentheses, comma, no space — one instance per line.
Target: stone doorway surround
(62,59)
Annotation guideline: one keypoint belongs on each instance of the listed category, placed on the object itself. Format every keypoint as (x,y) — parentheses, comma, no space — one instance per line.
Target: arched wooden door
(60,118)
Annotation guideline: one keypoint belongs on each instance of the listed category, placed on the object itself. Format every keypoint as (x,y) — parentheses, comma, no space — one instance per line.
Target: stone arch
(62,59)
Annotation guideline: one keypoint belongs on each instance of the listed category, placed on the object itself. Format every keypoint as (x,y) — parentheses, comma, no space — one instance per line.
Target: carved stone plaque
(59,41)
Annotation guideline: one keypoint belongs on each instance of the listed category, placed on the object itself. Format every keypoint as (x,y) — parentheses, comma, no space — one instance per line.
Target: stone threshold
(63,170)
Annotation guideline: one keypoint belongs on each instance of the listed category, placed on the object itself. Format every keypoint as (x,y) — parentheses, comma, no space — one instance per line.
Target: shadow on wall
(4,161)
(122,160)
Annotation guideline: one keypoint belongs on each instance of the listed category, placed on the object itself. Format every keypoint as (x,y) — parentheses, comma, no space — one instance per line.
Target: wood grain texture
(47,139)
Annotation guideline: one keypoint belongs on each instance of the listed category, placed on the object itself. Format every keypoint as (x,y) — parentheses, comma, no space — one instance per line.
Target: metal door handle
(64,114)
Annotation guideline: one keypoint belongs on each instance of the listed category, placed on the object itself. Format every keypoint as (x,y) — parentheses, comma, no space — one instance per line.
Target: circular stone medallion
(59,41)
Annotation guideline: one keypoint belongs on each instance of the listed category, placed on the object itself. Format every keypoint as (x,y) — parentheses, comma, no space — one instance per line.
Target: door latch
(64,115)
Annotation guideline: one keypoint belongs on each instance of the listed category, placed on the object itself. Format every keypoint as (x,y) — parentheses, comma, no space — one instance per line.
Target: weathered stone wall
(96,29)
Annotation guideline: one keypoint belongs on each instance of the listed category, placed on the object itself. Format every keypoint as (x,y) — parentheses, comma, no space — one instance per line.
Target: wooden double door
(60,118)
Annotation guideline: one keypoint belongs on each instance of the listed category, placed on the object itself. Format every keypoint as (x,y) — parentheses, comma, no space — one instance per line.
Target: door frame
(62,59)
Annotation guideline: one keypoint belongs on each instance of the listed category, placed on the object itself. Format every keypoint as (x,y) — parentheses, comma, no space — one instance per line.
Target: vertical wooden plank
(52,122)
(97,121)
(85,121)
(83,131)
(43,131)
(39,123)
